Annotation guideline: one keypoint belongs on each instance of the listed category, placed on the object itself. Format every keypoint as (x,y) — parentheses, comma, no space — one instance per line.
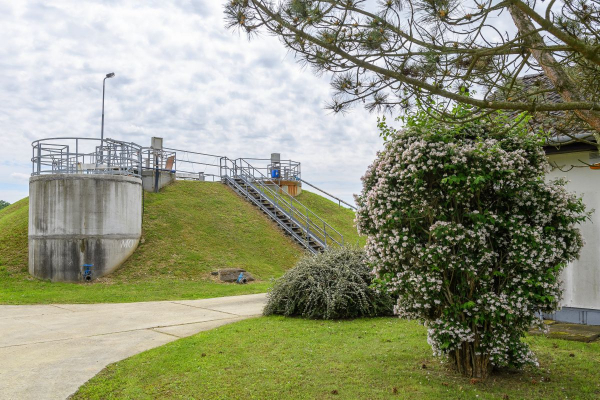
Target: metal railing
(340,201)
(244,188)
(286,170)
(196,166)
(75,155)
(163,160)
(305,218)
(239,185)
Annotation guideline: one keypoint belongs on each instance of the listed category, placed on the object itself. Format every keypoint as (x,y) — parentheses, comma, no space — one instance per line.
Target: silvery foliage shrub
(468,236)
(334,284)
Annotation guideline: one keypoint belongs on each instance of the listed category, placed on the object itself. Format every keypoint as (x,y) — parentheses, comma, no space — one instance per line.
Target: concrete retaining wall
(82,219)
(149,176)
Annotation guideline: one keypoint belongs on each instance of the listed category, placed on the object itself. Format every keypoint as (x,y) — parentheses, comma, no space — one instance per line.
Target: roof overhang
(563,144)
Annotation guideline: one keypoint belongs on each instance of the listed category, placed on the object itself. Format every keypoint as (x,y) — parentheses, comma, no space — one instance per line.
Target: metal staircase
(303,225)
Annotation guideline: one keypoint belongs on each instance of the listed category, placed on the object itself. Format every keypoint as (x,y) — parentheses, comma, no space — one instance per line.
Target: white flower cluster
(468,236)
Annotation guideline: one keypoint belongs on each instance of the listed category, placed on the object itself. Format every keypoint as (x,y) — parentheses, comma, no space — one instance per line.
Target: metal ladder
(302,224)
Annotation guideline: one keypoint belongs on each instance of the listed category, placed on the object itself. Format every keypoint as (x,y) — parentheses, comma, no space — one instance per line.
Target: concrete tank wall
(82,219)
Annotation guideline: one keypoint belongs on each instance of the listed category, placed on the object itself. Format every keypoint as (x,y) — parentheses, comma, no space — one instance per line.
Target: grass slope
(286,358)
(340,218)
(189,230)
(13,238)
(192,228)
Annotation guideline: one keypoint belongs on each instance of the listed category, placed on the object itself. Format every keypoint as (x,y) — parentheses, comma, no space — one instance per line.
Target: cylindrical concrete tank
(77,220)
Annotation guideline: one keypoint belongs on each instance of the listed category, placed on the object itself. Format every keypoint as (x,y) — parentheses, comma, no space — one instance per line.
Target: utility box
(157,143)
(275,165)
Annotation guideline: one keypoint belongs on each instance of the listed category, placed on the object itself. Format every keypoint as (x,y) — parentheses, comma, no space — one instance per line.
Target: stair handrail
(305,239)
(340,201)
(293,212)
(229,171)
(287,208)
(290,201)
(232,168)
(224,168)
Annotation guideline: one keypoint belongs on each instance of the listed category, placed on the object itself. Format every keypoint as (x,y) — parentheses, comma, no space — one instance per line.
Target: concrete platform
(575,332)
(48,351)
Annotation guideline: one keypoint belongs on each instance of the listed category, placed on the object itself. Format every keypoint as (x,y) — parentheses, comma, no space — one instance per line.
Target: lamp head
(110,75)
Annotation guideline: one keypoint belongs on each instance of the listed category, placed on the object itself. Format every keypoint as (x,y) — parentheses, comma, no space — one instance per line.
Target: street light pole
(110,75)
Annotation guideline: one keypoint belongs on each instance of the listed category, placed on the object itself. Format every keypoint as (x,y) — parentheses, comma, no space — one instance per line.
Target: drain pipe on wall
(156,171)
(157,146)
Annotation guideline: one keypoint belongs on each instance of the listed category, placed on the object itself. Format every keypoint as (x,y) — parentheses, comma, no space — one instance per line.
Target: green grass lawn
(287,358)
(189,230)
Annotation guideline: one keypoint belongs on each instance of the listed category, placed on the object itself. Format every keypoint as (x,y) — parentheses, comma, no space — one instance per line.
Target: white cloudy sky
(180,75)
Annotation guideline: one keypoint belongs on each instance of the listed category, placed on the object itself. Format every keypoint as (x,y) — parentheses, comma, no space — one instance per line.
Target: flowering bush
(330,285)
(466,234)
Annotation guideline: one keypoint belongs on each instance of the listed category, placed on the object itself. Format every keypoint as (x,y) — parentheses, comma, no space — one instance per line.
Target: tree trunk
(469,364)
(563,84)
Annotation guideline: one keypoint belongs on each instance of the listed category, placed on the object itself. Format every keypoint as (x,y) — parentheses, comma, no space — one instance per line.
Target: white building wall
(581,279)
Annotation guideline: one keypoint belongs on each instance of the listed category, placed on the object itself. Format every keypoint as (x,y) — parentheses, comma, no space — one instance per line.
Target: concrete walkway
(48,351)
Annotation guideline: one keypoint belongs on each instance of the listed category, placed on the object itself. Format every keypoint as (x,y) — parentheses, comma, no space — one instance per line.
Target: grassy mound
(189,230)
(192,228)
(290,358)
(13,238)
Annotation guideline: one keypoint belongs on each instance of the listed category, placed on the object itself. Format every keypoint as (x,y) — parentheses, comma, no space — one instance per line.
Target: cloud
(20,176)
(180,75)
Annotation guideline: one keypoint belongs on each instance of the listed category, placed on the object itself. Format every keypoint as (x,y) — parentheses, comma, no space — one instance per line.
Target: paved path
(48,351)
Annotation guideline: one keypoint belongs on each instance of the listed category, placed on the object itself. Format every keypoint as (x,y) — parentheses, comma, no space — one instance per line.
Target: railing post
(307,225)
(39,158)
(140,161)
(110,156)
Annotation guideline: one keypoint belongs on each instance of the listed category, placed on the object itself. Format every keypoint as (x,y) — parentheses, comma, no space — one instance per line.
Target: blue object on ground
(241,279)
(87,273)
